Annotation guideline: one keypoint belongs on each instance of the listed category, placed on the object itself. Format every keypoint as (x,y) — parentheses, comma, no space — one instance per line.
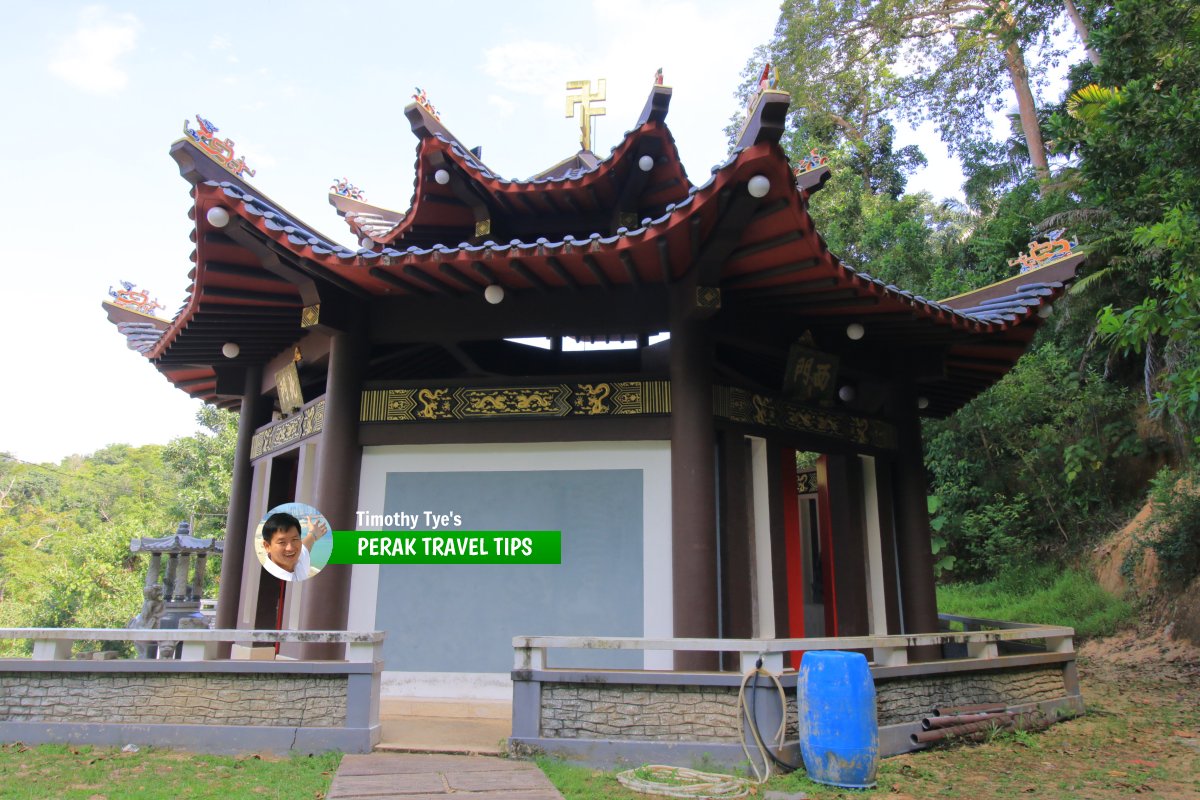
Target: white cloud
(530,67)
(222,43)
(88,57)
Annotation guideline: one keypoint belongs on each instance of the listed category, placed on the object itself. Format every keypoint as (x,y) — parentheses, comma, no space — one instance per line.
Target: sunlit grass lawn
(87,773)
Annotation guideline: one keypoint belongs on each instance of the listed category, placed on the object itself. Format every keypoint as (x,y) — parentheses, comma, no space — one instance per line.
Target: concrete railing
(888,651)
(54,644)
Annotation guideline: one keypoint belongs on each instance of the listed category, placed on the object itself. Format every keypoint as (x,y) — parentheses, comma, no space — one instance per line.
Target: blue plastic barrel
(839,734)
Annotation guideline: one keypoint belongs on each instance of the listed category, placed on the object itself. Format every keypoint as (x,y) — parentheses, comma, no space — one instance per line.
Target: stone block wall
(649,712)
(707,713)
(660,713)
(313,701)
(909,699)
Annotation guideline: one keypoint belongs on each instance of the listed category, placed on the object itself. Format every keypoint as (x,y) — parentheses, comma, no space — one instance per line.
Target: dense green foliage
(65,529)
(1061,450)
(1175,522)
(1133,124)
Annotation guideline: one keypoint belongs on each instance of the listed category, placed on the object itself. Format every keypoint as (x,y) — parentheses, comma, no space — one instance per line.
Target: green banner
(436,547)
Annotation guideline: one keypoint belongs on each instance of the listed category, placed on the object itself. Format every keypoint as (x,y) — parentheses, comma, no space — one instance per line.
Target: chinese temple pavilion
(385,379)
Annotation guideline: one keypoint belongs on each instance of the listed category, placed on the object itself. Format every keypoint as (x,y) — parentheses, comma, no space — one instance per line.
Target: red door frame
(825,521)
(793,552)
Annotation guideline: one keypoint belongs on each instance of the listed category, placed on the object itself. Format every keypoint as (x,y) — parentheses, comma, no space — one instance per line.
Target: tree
(856,62)
(1133,124)
(65,528)
(204,464)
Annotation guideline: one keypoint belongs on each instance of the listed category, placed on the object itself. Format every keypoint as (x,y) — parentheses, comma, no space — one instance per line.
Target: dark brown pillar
(776,497)
(339,461)
(849,545)
(736,539)
(887,543)
(693,486)
(913,550)
(233,557)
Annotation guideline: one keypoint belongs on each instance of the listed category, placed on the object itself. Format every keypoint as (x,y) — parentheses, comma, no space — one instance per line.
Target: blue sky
(93,96)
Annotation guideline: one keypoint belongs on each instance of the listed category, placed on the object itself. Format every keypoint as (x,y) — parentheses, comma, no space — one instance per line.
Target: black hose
(754,723)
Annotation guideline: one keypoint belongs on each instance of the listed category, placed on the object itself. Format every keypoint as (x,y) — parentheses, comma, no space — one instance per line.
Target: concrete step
(444,707)
(424,725)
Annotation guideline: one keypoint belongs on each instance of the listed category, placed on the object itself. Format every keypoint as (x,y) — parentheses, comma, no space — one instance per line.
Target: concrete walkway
(463,727)
(385,776)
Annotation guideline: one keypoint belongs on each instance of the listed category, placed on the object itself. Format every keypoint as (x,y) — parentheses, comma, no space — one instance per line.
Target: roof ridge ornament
(1042,254)
(584,98)
(344,188)
(219,150)
(766,111)
(814,160)
(423,101)
(133,299)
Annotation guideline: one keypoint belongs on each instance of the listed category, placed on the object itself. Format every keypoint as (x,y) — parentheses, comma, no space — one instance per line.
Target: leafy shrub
(1176,523)
(1035,467)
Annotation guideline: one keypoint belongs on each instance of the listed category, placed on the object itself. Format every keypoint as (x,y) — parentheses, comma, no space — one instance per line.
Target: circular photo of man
(293,542)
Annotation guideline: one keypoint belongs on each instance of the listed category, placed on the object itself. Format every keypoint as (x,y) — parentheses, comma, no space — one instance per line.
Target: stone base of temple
(608,718)
(207,706)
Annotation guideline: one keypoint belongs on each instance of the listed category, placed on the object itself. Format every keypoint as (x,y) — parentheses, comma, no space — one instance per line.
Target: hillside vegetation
(1103,412)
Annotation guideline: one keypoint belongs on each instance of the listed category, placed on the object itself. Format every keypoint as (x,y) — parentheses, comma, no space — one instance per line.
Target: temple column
(913,547)
(339,461)
(849,546)
(737,601)
(234,556)
(693,485)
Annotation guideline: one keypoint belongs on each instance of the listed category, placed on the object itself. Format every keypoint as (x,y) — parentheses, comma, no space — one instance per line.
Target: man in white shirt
(287,552)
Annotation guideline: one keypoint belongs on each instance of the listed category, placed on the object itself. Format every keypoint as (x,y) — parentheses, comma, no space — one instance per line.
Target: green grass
(1043,594)
(86,773)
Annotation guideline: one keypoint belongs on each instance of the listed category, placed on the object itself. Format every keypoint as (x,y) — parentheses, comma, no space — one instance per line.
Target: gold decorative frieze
(806,482)
(547,401)
(308,421)
(739,405)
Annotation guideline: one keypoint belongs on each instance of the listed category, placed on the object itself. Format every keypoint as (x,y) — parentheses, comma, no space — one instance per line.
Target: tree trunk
(1082,30)
(1014,59)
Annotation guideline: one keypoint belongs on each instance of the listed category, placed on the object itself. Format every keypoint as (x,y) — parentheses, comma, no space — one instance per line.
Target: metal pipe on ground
(929,723)
(1000,721)
(977,708)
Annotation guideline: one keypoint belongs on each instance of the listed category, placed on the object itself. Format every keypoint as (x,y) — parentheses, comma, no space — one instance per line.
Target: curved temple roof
(627,223)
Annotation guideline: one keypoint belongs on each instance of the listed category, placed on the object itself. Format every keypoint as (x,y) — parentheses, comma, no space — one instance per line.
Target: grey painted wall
(462,617)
